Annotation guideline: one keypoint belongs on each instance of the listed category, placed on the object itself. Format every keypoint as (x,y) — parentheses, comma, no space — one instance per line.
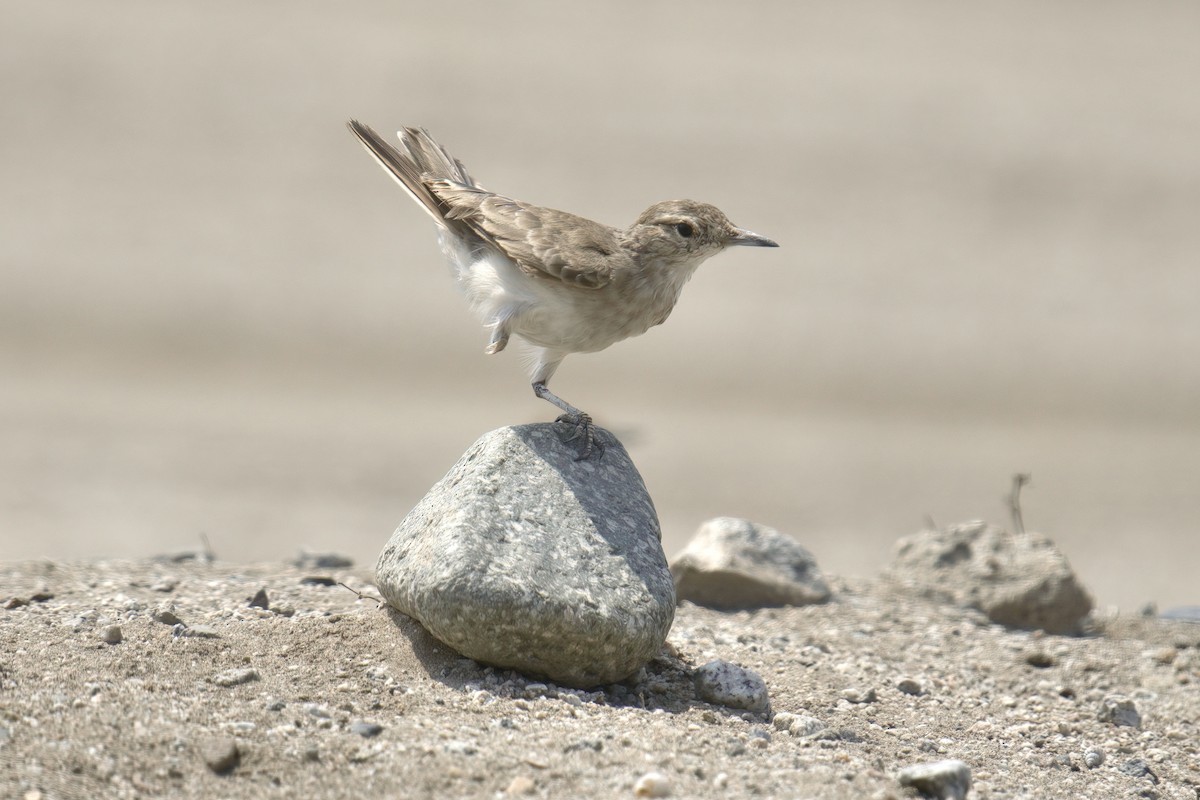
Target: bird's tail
(421,159)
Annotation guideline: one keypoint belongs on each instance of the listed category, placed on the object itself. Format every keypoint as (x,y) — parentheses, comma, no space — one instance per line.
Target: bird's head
(688,232)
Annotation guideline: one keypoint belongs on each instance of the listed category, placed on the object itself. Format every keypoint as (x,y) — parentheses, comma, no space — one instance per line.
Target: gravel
(79,718)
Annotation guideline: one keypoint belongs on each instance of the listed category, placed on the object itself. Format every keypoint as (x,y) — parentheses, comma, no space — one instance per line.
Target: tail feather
(423,160)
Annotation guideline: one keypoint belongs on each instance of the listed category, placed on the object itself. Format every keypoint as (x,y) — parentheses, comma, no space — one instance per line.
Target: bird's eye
(684,230)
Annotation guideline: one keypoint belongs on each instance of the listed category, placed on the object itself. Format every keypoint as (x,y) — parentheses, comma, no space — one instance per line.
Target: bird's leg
(582,423)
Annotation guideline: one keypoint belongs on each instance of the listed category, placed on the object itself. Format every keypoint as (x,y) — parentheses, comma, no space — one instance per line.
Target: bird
(562,283)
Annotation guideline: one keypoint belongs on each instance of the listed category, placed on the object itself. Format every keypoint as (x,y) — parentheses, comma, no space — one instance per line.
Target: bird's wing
(541,241)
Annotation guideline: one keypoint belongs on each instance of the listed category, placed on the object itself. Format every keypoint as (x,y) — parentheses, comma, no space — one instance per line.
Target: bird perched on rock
(562,283)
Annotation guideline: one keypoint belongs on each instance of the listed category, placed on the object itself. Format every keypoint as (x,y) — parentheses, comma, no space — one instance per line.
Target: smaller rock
(164,615)
(366,729)
(859,695)
(41,596)
(910,686)
(316,561)
(260,600)
(1018,580)
(195,631)
(726,684)
(1093,758)
(1138,768)
(1165,656)
(1039,659)
(235,677)
(945,780)
(1119,710)
(783,720)
(734,563)
(111,634)
(652,784)
(519,785)
(221,754)
(804,726)
(318,580)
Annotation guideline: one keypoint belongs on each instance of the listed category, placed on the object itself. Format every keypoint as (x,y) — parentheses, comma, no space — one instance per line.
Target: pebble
(366,729)
(164,615)
(803,726)
(726,684)
(236,677)
(322,561)
(1119,710)
(1039,659)
(221,754)
(910,686)
(946,780)
(521,784)
(652,784)
(1093,758)
(260,600)
(195,631)
(858,695)
(457,747)
(112,634)
(1138,768)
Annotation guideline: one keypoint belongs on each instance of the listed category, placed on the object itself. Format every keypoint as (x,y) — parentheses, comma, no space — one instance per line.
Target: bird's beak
(750,239)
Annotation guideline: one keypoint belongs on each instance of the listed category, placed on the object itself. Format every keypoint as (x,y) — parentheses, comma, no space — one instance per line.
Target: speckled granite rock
(736,564)
(1018,580)
(524,558)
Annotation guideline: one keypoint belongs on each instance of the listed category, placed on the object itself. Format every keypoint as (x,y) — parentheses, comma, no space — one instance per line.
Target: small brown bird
(562,283)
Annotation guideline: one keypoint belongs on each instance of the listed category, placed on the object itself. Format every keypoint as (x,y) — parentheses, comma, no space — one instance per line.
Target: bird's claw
(583,428)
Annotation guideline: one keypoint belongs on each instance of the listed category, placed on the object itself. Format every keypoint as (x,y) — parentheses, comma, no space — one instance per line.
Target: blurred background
(218,316)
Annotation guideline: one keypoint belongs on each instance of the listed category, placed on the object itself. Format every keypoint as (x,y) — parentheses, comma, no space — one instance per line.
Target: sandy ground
(294,693)
(218,317)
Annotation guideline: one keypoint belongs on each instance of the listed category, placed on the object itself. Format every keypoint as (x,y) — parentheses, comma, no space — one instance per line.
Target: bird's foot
(583,428)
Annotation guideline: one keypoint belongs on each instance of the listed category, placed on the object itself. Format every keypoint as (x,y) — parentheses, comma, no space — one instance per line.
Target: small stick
(1014,501)
(362,596)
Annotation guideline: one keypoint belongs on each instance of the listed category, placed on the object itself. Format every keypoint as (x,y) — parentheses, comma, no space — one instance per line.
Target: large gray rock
(735,564)
(1018,580)
(524,558)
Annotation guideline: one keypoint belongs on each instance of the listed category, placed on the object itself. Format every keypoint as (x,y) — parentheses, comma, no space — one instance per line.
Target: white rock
(726,684)
(652,784)
(734,563)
